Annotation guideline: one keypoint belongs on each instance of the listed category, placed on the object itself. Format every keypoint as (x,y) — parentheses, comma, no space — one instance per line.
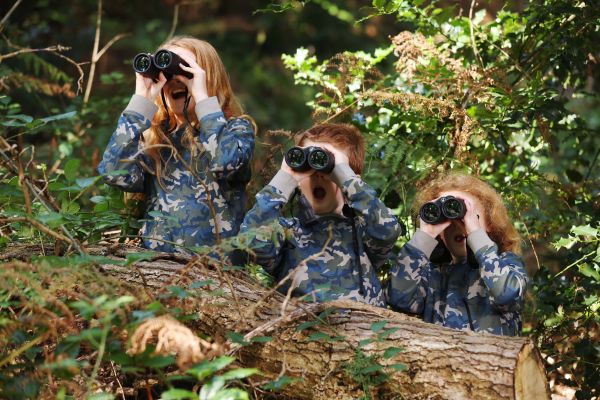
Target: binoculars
(150,65)
(302,159)
(442,209)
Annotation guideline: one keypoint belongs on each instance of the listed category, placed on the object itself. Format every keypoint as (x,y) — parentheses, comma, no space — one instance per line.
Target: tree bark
(441,363)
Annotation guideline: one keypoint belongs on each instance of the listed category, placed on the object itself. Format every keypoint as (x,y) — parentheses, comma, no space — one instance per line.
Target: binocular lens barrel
(453,209)
(430,213)
(442,209)
(302,159)
(318,159)
(295,158)
(164,60)
(142,63)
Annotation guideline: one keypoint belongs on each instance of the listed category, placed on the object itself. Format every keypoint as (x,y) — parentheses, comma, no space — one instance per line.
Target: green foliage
(509,96)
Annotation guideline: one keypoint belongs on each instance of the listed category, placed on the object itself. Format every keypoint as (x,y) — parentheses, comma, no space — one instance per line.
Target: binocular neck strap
(349,212)
(167,120)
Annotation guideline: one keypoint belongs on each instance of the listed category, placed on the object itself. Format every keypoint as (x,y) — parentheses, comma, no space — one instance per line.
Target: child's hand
(197,85)
(472,217)
(147,88)
(433,230)
(339,155)
(298,176)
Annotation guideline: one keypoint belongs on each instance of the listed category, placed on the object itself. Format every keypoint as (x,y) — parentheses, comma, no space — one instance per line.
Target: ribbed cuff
(207,106)
(142,105)
(422,241)
(478,239)
(285,183)
(341,173)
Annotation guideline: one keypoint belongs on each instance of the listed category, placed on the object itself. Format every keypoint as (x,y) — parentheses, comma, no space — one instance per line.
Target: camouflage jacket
(320,256)
(215,171)
(484,296)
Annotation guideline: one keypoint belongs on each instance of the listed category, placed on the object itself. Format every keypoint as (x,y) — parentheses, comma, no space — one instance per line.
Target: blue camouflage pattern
(215,172)
(321,256)
(485,296)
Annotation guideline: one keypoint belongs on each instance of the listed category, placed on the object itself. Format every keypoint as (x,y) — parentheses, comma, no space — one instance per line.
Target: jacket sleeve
(264,225)
(380,229)
(503,274)
(409,276)
(229,143)
(123,150)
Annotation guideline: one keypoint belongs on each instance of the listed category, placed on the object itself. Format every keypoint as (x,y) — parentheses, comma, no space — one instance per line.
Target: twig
(12,9)
(10,163)
(15,353)
(473,44)
(112,366)
(37,224)
(51,49)
(96,54)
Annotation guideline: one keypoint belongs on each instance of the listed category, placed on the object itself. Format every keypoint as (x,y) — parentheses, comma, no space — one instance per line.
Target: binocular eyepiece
(302,159)
(442,209)
(150,65)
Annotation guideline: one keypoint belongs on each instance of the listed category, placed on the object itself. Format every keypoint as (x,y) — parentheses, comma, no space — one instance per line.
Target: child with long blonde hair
(481,284)
(186,144)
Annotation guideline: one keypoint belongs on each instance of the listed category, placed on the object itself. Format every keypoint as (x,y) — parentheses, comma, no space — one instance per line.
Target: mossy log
(440,363)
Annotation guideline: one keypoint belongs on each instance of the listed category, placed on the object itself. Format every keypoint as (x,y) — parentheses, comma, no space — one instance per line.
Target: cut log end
(530,375)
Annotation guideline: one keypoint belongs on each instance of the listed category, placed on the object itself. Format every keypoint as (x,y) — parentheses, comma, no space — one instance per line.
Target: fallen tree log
(440,363)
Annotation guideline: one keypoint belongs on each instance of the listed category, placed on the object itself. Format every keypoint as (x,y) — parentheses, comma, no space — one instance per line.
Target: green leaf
(208,368)
(237,338)
(372,368)
(566,242)
(71,169)
(86,182)
(201,284)
(398,367)
(279,383)
(240,373)
(589,271)
(377,326)
(364,342)
(318,336)
(391,352)
(178,394)
(140,256)
(261,339)
(306,325)
(57,117)
(584,230)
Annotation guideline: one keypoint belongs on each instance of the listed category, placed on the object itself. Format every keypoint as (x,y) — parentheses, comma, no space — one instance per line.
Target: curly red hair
(499,226)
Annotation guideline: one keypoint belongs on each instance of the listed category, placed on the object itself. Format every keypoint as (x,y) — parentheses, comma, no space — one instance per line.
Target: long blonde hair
(499,227)
(217,84)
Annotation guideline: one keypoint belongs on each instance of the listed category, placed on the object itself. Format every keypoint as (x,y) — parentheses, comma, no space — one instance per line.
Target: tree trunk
(440,363)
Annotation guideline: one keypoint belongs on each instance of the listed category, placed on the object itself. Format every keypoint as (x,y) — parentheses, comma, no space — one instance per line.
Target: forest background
(504,90)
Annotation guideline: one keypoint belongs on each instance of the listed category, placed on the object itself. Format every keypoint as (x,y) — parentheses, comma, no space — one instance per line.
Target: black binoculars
(442,209)
(150,65)
(302,159)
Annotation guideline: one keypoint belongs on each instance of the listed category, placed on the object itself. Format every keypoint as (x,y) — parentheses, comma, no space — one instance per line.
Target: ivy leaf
(566,242)
(589,271)
(584,230)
